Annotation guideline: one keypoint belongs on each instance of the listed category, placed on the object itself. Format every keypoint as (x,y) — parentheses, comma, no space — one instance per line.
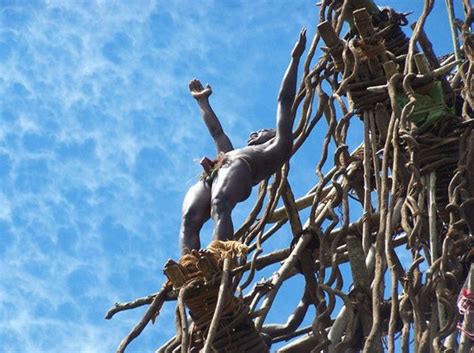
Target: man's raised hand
(198,91)
(300,45)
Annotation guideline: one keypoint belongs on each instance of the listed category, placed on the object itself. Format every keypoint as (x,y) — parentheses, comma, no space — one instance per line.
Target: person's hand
(198,91)
(300,45)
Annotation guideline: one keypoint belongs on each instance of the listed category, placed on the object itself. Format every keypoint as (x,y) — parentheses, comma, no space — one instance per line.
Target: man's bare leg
(196,211)
(233,184)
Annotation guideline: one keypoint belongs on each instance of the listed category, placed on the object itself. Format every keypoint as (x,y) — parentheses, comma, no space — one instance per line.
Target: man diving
(230,179)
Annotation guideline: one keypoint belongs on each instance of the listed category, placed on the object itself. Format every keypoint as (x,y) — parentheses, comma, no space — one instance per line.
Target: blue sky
(99,141)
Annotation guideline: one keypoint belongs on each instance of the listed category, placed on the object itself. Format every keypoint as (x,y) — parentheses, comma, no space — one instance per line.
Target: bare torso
(263,160)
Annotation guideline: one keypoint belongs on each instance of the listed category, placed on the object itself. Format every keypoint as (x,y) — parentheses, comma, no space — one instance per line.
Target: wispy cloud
(98,138)
(98,135)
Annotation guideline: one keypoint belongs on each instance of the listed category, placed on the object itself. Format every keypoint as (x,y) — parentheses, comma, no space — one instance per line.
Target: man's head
(261,136)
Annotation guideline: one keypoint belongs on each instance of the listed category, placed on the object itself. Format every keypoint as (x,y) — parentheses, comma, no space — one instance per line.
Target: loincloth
(211,167)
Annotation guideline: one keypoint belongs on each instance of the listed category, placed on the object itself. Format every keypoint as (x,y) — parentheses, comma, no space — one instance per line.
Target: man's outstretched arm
(201,95)
(286,96)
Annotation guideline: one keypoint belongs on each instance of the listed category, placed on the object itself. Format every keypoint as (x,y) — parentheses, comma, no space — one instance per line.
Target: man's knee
(220,205)
(193,217)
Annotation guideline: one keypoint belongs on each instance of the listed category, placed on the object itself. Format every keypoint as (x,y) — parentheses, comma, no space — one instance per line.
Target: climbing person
(230,178)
